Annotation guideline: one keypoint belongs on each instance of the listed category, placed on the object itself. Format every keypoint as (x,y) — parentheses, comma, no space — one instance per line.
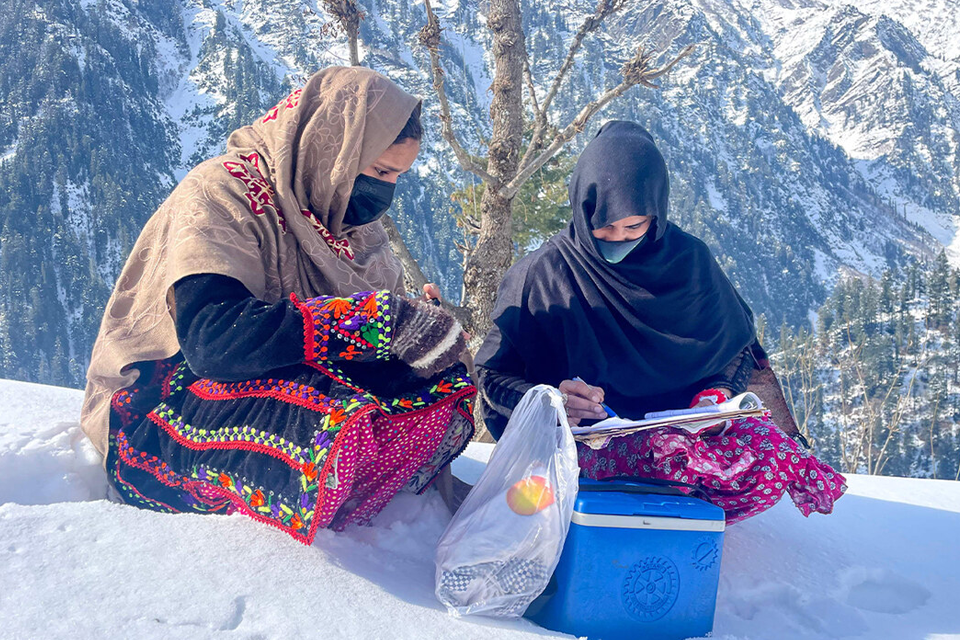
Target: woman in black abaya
(628,301)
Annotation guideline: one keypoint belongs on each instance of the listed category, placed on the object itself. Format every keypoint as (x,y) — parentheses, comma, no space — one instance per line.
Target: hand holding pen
(583,401)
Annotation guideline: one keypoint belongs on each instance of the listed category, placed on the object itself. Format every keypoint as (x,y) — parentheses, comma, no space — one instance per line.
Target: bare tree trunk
(348,17)
(353,31)
(488,259)
(488,262)
(933,422)
(490,256)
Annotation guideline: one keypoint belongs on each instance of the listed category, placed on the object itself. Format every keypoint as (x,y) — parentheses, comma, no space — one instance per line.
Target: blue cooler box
(636,564)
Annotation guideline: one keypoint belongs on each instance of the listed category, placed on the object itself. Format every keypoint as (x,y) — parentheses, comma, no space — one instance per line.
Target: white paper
(693,420)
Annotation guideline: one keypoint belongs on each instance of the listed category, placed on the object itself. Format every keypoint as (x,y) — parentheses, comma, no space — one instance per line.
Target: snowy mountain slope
(883,566)
(935,23)
(803,137)
(867,83)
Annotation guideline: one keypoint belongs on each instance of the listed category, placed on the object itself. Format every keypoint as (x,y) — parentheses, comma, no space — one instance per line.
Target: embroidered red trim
(133,489)
(181,482)
(275,394)
(241,445)
(471,390)
(466,414)
(307,538)
(309,328)
(292,101)
(241,506)
(167,381)
(237,502)
(141,462)
(116,402)
(259,193)
(340,247)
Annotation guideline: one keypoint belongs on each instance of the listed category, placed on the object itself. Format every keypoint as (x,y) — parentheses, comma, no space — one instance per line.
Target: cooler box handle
(651,485)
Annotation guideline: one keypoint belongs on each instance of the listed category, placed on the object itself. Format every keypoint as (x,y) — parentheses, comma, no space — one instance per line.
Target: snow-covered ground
(72,565)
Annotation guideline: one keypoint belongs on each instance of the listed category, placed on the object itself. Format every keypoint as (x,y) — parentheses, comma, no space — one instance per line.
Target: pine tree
(887,292)
(938,292)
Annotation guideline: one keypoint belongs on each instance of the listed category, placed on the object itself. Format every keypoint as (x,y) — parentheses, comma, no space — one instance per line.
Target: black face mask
(369,201)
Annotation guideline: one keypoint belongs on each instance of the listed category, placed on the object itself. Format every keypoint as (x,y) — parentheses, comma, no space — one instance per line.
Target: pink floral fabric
(745,470)
(385,454)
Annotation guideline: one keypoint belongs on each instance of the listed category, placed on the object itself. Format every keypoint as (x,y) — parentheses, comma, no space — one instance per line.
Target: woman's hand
(583,401)
(708,401)
(426,337)
(430,292)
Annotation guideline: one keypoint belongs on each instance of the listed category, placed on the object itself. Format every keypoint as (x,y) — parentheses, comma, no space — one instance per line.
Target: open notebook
(694,420)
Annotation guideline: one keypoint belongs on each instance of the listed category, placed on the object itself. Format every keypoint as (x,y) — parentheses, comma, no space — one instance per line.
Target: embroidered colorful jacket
(297,416)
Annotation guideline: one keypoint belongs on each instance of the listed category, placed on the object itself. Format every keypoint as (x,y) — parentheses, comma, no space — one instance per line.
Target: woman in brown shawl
(258,353)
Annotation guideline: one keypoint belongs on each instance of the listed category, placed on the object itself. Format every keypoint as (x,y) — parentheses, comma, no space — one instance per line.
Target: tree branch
(412,274)
(898,414)
(590,24)
(528,76)
(349,17)
(636,71)
(430,39)
(411,270)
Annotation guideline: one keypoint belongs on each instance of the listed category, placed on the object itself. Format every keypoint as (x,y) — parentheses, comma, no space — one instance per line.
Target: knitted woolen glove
(426,337)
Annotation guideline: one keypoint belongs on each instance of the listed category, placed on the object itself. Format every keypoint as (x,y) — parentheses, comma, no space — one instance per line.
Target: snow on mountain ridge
(936,23)
(849,158)
(866,82)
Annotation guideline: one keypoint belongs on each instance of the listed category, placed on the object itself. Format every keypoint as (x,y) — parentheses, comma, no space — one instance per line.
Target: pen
(609,411)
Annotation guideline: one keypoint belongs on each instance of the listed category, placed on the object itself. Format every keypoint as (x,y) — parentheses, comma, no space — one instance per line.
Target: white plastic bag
(500,549)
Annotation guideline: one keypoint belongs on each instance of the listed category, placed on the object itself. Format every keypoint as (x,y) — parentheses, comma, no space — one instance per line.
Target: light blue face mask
(615,252)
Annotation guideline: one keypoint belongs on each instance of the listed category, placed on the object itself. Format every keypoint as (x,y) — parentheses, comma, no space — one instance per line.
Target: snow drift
(885,565)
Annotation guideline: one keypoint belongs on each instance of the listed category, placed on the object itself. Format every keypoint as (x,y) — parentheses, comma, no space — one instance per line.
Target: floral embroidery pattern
(267,504)
(339,247)
(259,193)
(295,515)
(338,461)
(356,456)
(159,469)
(124,402)
(452,385)
(443,388)
(745,470)
(358,326)
(150,463)
(290,102)
(132,496)
(121,406)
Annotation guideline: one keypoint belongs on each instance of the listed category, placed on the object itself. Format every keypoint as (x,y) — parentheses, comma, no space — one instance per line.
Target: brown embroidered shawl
(268,213)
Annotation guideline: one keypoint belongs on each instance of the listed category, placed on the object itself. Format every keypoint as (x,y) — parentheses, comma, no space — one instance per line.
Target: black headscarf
(646,329)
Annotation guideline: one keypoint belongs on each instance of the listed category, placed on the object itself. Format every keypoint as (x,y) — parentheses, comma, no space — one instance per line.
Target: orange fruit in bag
(530,495)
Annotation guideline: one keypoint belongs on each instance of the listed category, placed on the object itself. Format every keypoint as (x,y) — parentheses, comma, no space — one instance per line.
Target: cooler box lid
(632,498)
